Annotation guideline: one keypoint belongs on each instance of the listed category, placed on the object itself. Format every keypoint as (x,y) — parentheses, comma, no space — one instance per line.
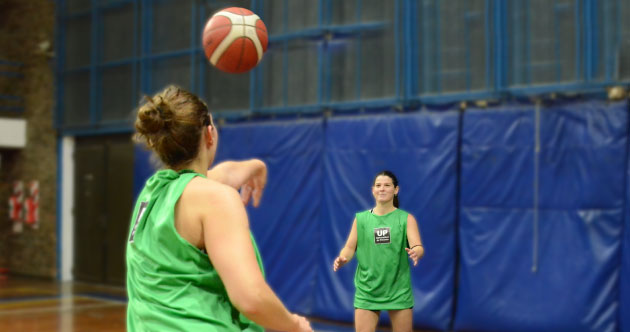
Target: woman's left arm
(249,176)
(415,250)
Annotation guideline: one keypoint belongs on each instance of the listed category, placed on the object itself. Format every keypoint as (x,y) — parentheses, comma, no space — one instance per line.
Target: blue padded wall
(286,223)
(624,293)
(143,168)
(321,171)
(562,272)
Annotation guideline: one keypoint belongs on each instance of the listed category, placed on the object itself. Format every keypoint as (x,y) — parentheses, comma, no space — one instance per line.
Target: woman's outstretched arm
(248,176)
(226,237)
(416,249)
(347,252)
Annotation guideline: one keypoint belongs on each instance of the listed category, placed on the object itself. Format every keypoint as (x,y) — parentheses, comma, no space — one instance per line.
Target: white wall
(67,202)
(12,133)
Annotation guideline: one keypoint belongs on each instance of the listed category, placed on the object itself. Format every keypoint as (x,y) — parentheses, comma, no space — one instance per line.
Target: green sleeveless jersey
(382,279)
(171,284)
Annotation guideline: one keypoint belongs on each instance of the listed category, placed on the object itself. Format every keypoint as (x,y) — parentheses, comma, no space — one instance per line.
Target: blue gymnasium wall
(320,173)
(624,312)
(286,225)
(576,245)
(143,168)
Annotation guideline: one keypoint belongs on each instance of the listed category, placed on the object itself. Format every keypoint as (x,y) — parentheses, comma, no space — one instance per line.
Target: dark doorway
(103,204)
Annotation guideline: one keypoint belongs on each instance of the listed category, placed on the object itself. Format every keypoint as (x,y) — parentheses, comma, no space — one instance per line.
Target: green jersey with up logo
(382,279)
(171,284)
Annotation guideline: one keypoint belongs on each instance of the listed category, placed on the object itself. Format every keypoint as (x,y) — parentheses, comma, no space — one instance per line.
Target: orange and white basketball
(234,40)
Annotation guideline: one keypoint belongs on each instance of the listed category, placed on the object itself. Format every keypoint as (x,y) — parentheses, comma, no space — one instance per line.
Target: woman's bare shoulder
(208,190)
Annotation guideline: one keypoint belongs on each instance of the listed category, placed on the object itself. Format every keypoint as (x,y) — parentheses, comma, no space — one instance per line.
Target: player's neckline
(382,215)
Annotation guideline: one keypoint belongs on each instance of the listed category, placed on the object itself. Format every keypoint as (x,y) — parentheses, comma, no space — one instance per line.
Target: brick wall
(25,29)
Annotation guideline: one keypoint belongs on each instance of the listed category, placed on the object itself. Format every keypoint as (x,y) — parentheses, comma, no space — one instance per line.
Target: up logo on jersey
(382,235)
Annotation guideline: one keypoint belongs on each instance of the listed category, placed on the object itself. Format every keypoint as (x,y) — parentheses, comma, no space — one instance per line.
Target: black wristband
(417,245)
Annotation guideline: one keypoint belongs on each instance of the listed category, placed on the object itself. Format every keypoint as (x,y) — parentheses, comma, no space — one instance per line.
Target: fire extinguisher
(31,205)
(16,202)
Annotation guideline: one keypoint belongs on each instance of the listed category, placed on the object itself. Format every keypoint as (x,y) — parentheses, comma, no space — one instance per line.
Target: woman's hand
(302,324)
(415,256)
(254,185)
(249,177)
(339,262)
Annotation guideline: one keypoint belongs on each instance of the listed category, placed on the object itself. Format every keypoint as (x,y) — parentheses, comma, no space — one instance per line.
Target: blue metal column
(202,73)
(468,17)
(590,45)
(195,41)
(500,48)
(256,7)
(488,34)
(404,55)
(527,43)
(578,41)
(145,72)
(617,49)
(135,72)
(556,33)
(357,78)
(320,54)
(285,53)
(427,45)
(328,78)
(438,49)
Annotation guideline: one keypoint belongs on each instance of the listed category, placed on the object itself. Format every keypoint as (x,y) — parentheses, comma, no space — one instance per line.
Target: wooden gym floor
(39,305)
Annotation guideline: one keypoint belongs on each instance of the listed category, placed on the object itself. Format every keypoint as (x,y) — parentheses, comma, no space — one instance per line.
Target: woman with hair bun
(383,238)
(192,263)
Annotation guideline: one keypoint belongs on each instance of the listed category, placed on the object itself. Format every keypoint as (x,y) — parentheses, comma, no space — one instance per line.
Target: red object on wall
(15,208)
(16,202)
(31,205)
(31,208)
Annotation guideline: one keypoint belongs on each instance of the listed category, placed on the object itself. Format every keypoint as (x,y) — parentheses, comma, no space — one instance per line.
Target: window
(335,55)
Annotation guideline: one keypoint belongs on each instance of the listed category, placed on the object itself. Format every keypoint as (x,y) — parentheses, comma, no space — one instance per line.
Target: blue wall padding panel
(582,166)
(144,165)
(493,142)
(286,223)
(624,292)
(582,155)
(421,149)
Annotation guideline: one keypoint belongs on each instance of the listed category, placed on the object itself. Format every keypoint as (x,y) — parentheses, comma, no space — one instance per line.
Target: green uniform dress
(382,279)
(171,284)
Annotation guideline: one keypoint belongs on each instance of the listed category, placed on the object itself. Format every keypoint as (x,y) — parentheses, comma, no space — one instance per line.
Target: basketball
(234,40)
